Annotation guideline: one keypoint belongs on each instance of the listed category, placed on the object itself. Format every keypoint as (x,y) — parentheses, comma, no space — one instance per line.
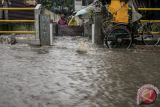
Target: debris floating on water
(82,49)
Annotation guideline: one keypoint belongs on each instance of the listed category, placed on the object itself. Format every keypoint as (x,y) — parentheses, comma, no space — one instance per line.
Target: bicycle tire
(148,37)
(119,37)
(106,30)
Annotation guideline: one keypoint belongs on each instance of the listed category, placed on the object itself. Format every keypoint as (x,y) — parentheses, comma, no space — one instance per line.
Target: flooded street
(58,76)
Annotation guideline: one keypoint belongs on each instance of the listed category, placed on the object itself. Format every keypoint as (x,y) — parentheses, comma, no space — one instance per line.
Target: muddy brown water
(58,76)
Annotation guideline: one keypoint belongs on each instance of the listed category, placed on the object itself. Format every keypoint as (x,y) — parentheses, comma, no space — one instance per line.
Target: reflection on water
(58,76)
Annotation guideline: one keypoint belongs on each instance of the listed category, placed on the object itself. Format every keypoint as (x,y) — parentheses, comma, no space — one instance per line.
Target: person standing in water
(62,21)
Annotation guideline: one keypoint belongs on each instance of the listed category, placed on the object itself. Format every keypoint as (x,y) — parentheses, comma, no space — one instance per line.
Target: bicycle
(116,34)
(122,35)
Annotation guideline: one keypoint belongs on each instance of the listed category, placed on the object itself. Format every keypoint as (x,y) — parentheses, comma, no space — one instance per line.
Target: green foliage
(91,12)
(69,3)
(47,3)
(63,6)
(56,3)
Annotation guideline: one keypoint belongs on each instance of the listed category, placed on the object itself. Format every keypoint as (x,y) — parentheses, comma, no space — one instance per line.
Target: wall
(54,17)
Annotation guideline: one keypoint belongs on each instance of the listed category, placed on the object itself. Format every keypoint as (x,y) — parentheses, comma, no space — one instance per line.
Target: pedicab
(122,25)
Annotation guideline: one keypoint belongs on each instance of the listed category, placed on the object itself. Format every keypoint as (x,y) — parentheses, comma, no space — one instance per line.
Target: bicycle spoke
(119,37)
(149,34)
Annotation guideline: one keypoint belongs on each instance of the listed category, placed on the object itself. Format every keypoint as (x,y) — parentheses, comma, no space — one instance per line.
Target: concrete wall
(98,36)
(53,16)
(88,28)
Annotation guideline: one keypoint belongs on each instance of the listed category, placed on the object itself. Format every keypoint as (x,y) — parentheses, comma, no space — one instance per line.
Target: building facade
(80,4)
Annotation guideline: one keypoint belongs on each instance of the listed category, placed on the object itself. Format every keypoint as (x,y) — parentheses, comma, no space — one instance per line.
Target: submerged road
(58,76)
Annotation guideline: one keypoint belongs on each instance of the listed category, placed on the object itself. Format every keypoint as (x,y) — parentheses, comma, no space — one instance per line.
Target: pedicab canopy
(119,9)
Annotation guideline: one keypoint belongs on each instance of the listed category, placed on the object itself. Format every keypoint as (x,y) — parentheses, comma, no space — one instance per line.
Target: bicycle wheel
(119,37)
(150,36)
(106,30)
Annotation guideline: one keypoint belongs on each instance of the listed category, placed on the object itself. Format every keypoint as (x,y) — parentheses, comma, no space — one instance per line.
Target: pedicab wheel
(119,37)
(106,28)
(150,39)
(150,36)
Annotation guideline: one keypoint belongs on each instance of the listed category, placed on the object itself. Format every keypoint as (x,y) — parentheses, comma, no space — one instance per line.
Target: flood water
(58,76)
